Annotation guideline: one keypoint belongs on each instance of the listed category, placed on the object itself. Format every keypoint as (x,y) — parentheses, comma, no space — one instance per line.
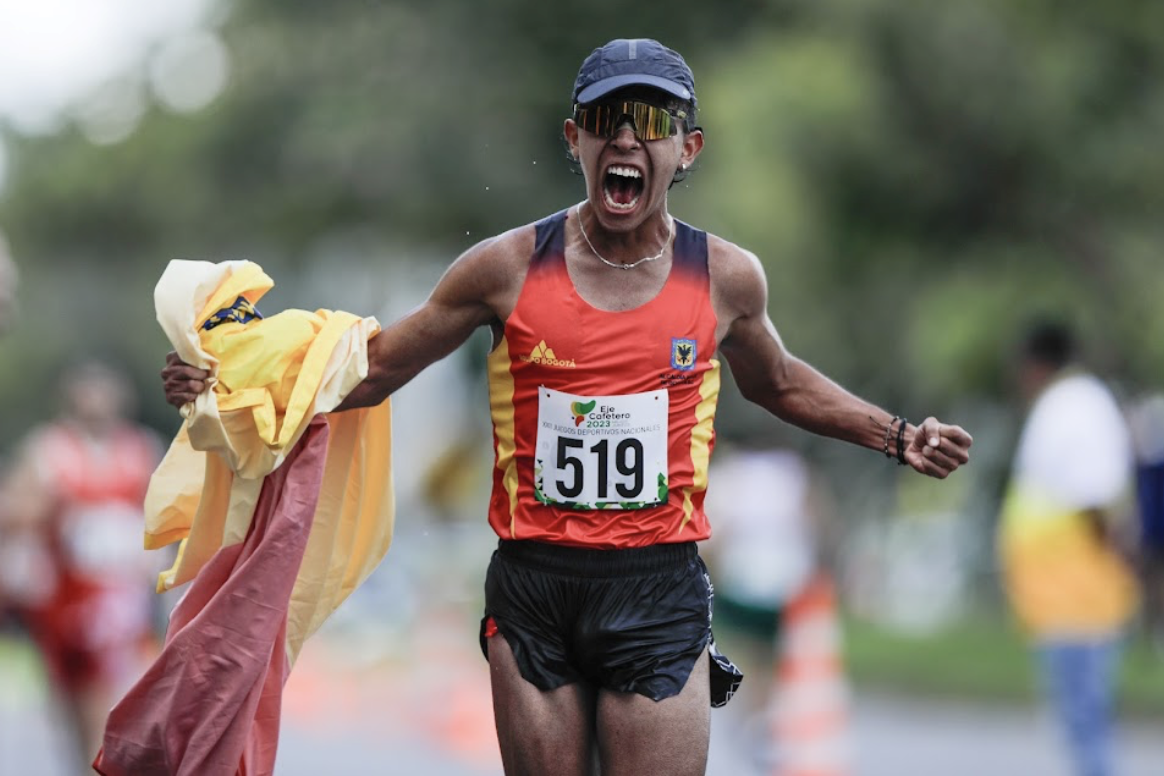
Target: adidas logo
(544,355)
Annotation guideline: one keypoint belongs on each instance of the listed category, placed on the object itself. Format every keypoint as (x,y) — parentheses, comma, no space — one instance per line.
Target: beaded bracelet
(889,433)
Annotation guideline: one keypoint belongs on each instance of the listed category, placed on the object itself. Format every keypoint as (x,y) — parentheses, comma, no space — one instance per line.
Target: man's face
(627,177)
(97,397)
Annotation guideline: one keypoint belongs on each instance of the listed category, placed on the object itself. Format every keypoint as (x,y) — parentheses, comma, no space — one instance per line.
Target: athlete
(606,320)
(71,562)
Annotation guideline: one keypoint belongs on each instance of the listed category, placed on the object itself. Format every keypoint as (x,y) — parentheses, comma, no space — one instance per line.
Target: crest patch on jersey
(682,354)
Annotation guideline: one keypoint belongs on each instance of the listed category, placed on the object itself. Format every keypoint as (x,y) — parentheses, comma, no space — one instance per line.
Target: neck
(92,428)
(646,243)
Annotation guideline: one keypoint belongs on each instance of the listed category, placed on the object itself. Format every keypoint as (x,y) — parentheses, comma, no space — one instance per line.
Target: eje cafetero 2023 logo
(607,415)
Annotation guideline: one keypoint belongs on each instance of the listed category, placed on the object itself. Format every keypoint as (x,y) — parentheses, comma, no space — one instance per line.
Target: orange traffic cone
(810,710)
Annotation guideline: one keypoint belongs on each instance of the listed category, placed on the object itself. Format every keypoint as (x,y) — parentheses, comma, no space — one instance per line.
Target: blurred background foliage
(918,179)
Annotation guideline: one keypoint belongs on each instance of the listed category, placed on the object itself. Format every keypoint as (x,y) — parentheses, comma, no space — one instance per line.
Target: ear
(692,145)
(570,131)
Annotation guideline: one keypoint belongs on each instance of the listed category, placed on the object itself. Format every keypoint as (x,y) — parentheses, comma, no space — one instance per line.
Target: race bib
(601,452)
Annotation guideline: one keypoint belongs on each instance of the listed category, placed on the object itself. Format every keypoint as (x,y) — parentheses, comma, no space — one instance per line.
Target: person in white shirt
(1065,576)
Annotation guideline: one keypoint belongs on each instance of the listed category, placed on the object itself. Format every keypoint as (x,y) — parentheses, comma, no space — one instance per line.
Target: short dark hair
(1049,341)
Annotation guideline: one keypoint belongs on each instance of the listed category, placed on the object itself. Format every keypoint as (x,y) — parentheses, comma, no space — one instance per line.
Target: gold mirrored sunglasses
(651,122)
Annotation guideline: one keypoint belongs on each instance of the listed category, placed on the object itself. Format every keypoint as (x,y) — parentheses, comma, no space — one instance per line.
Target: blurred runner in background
(772,557)
(72,567)
(1064,568)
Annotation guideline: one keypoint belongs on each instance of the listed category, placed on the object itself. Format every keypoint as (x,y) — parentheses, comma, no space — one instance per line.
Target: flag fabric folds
(210,704)
(281,511)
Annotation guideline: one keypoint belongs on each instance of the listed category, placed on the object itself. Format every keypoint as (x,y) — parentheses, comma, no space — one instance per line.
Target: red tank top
(602,421)
(95,595)
(99,521)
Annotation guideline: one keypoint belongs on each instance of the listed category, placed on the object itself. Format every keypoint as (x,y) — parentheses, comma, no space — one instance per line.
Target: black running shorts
(633,620)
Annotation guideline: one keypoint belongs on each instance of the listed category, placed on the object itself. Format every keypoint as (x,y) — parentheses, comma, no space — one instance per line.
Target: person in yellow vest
(1065,576)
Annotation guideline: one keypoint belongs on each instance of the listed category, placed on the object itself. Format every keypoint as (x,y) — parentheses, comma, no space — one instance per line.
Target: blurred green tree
(916,177)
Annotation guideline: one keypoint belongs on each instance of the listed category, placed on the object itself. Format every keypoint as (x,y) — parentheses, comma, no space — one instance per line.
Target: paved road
(409,716)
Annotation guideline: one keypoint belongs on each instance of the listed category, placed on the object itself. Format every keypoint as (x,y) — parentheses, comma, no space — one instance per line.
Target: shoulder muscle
(490,274)
(739,288)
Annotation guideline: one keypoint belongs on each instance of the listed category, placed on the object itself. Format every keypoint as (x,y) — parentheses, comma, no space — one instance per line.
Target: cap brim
(600,89)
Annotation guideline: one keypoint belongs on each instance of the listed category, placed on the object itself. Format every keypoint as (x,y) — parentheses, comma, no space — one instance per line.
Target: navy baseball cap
(633,62)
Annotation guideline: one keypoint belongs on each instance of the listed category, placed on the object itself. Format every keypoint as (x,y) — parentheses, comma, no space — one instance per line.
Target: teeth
(623,172)
(626,172)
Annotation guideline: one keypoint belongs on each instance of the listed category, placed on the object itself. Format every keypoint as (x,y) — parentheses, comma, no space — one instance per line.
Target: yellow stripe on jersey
(501,407)
(701,436)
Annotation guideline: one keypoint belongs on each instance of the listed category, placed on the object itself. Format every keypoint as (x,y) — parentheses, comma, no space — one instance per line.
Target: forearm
(404,349)
(801,395)
(385,377)
(792,390)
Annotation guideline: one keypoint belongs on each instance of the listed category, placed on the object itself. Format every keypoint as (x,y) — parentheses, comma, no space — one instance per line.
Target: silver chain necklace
(615,264)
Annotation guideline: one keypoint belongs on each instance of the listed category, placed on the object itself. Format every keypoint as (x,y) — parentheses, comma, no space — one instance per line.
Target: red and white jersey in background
(99,486)
(86,583)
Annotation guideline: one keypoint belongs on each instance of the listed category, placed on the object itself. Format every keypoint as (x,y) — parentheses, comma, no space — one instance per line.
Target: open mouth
(621,187)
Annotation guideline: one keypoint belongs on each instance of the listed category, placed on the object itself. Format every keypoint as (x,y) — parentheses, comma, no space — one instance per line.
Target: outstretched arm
(796,392)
